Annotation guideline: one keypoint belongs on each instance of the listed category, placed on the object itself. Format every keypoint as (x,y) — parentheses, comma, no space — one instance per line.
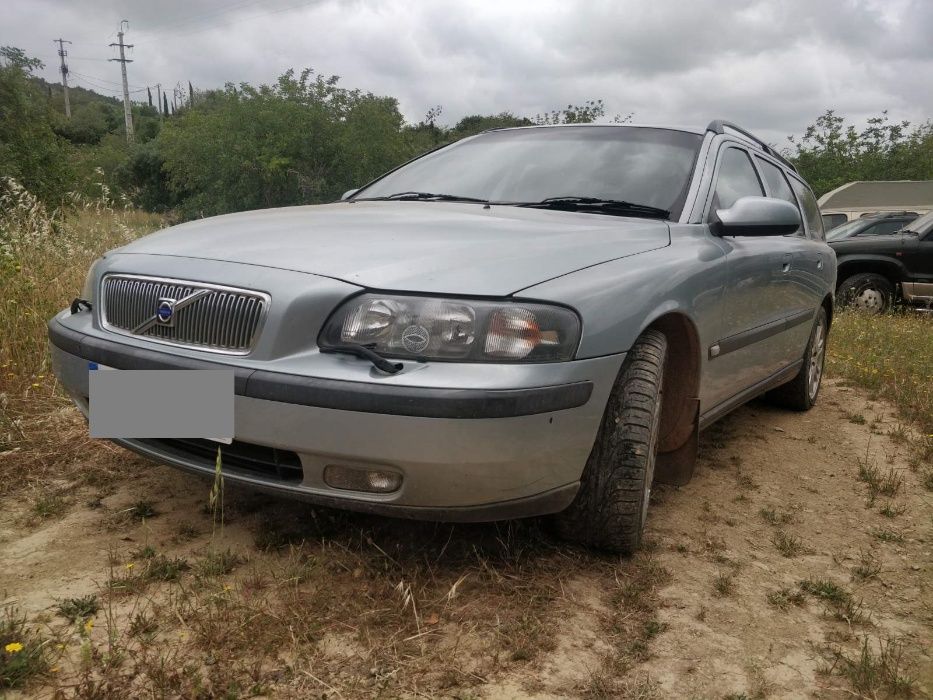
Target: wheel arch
(890,269)
(681,387)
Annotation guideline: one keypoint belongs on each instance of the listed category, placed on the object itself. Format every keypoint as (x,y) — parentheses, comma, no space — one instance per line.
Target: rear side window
(811,210)
(777,186)
(831,221)
(736,179)
(884,227)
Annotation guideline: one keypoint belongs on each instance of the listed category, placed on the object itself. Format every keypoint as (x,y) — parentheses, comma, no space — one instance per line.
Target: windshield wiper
(423,196)
(609,206)
(367,353)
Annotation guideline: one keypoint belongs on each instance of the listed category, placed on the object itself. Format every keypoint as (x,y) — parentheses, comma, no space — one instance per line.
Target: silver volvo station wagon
(529,321)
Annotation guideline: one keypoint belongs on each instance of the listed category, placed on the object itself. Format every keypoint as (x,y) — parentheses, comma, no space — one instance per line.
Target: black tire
(800,393)
(610,508)
(866,291)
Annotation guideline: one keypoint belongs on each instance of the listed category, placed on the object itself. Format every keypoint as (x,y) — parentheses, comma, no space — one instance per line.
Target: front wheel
(867,292)
(799,394)
(610,508)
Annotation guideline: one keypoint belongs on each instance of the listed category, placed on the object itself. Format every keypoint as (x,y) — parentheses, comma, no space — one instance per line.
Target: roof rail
(719,126)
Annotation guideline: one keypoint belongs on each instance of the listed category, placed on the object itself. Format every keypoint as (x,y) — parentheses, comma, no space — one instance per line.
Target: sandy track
(708,641)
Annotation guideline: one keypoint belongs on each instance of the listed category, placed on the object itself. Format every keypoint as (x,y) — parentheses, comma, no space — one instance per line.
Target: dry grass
(375,607)
(891,355)
(44,258)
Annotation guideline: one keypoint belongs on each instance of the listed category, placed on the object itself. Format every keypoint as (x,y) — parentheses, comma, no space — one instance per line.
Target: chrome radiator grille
(221,319)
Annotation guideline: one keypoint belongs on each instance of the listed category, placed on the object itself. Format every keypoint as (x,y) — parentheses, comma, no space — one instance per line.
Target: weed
(187,531)
(867,568)
(142,510)
(825,590)
(162,568)
(23,654)
(48,505)
(723,585)
(773,517)
(891,510)
(147,552)
(143,625)
(838,601)
(883,484)
(219,563)
(887,535)
(744,481)
(856,418)
(783,598)
(899,434)
(927,479)
(921,453)
(789,545)
(74,609)
(873,671)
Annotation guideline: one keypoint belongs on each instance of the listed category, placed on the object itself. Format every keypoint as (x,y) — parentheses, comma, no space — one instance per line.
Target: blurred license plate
(140,404)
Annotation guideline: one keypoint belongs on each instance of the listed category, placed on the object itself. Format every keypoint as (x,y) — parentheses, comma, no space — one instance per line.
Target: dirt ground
(732,597)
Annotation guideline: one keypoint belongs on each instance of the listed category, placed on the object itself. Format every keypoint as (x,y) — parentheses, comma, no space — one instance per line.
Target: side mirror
(758,216)
(349,193)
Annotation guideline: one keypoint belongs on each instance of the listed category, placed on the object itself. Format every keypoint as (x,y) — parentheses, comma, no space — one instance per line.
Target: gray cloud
(773,66)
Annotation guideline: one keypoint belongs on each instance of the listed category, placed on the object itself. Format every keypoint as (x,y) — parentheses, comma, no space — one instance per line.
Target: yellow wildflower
(13,648)
(89,625)
(130,565)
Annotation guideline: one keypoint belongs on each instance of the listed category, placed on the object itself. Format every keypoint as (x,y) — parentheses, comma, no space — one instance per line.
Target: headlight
(454,329)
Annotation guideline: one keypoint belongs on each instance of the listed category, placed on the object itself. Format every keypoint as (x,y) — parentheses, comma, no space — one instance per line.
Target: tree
(301,140)
(832,152)
(30,151)
(588,112)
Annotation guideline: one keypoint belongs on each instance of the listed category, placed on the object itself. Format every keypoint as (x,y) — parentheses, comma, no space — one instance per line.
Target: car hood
(438,247)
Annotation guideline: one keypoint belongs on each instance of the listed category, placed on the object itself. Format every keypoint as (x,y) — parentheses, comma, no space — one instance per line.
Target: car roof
(668,127)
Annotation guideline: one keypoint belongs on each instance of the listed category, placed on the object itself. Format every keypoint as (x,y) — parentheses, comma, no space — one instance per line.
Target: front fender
(617,300)
(848,265)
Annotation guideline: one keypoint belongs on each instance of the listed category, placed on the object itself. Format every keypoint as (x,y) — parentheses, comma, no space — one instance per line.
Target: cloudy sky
(771,65)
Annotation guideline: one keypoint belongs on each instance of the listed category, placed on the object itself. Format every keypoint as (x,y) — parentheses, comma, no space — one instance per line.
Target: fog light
(370,480)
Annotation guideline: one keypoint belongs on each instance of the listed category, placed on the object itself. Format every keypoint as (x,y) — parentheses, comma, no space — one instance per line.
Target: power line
(103,80)
(197,18)
(228,23)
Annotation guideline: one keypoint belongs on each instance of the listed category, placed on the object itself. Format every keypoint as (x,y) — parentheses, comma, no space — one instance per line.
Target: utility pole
(127,110)
(61,52)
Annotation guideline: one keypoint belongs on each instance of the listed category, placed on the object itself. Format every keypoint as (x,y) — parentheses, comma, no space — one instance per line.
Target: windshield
(845,230)
(632,164)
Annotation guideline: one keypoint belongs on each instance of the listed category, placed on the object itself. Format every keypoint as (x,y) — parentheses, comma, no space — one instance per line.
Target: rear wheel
(611,506)
(868,292)
(800,392)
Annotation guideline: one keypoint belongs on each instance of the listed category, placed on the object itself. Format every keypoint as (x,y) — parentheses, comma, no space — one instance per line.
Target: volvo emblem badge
(165,312)
(415,338)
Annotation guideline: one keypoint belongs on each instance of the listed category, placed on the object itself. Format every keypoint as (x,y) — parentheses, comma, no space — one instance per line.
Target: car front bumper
(471,442)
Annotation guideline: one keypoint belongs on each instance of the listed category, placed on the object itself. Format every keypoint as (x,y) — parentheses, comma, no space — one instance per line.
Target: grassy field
(892,357)
(420,609)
